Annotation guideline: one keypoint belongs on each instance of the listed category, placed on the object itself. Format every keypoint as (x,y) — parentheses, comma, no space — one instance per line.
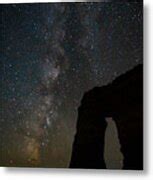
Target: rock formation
(123,101)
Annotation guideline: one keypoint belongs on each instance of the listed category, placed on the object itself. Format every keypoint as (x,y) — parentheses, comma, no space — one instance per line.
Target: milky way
(50,55)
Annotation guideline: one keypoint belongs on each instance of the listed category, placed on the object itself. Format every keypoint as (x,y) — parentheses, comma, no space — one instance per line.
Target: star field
(50,55)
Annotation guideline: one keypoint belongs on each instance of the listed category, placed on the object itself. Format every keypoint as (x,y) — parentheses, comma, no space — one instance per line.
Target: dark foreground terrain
(123,101)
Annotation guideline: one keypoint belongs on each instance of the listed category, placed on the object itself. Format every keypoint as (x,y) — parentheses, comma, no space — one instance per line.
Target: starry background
(50,55)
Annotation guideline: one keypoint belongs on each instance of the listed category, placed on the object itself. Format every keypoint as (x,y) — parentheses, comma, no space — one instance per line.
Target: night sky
(50,55)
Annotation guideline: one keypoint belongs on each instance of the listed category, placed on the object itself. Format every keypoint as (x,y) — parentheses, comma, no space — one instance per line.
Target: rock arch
(122,100)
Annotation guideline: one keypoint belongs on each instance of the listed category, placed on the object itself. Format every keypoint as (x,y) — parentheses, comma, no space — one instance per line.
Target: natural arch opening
(112,154)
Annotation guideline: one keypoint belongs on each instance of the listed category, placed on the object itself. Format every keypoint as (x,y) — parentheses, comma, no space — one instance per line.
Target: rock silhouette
(123,101)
